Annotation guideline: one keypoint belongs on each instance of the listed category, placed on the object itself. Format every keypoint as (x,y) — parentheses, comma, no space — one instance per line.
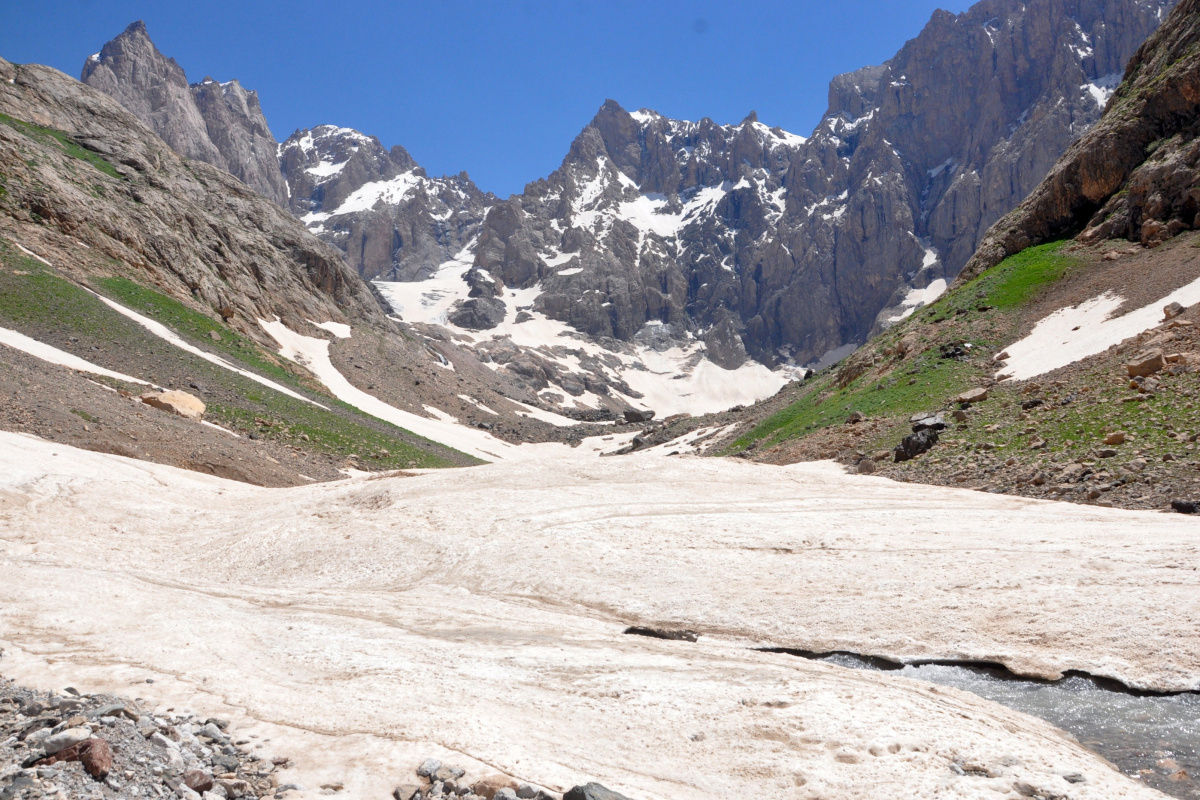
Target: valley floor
(477,615)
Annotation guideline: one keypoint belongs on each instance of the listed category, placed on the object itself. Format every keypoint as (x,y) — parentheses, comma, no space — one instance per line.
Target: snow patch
(1071,334)
(339,329)
(19,341)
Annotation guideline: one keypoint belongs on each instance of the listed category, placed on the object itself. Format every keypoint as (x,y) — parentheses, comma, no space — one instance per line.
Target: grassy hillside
(37,301)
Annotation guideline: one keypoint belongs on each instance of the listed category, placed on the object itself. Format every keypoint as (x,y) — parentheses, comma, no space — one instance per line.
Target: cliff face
(218,123)
(801,248)
(1133,175)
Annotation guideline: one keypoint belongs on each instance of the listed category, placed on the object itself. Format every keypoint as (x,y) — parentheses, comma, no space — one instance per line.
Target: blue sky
(496,88)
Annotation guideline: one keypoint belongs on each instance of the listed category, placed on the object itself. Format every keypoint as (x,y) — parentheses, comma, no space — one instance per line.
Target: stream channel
(1154,738)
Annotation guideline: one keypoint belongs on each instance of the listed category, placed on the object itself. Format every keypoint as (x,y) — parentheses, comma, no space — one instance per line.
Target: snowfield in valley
(478,613)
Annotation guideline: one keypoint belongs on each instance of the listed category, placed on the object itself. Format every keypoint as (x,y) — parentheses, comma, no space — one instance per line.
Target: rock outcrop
(1133,175)
(378,206)
(218,123)
(190,229)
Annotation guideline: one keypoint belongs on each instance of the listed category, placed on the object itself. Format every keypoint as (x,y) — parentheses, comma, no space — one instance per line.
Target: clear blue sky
(496,88)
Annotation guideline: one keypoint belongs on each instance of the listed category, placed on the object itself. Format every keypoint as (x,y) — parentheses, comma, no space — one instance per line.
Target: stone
(977,395)
(184,793)
(855,418)
(428,767)
(488,787)
(216,337)
(926,420)
(866,466)
(198,780)
(1145,364)
(1115,438)
(406,792)
(958,415)
(162,741)
(176,402)
(1106,452)
(915,444)
(504,794)
(592,791)
(64,739)
(636,415)
(1173,310)
(526,792)
(1185,506)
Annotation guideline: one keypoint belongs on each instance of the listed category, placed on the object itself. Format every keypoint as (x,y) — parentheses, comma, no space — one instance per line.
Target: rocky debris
(445,781)
(79,745)
(977,395)
(592,791)
(218,123)
(637,416)
(176,402)
(916,444)
(670,634)
(1145,364)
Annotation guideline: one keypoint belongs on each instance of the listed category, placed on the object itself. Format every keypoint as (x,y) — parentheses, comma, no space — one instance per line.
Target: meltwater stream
(1152,738)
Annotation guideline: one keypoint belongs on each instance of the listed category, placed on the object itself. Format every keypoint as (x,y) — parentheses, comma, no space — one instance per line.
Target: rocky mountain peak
(220,124)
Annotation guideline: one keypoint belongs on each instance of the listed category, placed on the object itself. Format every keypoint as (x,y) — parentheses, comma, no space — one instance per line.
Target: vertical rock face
(378,206)
(220,124)
(806,247)
(1134,175)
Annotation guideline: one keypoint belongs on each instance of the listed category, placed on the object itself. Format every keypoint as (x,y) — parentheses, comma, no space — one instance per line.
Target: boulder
(64,739)
(1172,311)
(592,791)
(478,313)
(1115,438)
(855,417)
(637,415)
(915,444)
(176,402)
(406,792)
(976,395)
(200,781)
(866,466)
(428,767)
(926,420)
(1145,364)
(1185,506)
(95,754)
(487,788)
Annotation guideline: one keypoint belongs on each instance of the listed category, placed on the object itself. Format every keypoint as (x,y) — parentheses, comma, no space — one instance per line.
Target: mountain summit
(219,123)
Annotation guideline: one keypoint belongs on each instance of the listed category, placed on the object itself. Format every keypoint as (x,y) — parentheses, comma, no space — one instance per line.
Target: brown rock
(866,467)
(405,791)
(199,781)
(180,403)
(95,754)
(487,787)
(1173,310)
(1145,364)
(977,395)
(1117,437)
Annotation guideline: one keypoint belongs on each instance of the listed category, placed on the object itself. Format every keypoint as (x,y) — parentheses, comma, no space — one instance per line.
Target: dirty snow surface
(476,615)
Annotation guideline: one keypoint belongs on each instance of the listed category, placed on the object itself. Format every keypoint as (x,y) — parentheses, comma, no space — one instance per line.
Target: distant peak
(137,27)
(751,117)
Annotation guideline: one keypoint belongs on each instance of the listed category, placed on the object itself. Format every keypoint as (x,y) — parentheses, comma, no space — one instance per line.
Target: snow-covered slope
(365,625)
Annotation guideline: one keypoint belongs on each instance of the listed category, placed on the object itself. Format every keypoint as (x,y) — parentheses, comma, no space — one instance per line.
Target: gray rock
(915,444)
(64,739)
(428,767)
(593,791)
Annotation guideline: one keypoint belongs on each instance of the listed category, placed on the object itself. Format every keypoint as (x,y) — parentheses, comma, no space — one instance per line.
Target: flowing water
(1152,738)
